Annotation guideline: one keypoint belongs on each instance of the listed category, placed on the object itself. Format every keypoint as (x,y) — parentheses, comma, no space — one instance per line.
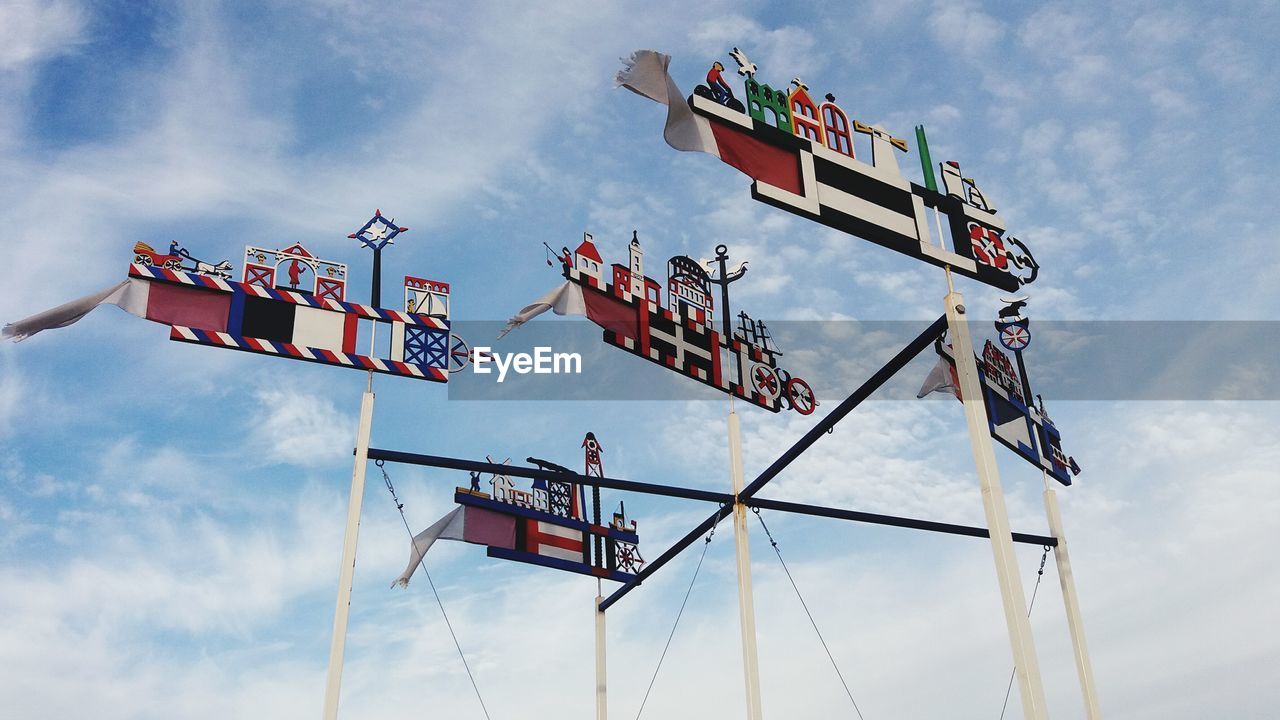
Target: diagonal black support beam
(875,519)
(904,356)
(882,376)
(534,473)
(651,567)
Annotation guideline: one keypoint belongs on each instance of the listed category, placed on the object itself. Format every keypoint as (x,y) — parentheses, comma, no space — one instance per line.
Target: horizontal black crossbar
(537,474)
(892,520)
(864,391)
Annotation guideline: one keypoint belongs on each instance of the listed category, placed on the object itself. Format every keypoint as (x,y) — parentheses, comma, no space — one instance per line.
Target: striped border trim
(151,272)
(317,355)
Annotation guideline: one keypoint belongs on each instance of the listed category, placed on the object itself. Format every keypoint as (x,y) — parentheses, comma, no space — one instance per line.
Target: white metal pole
(1075,621)
(348,569)
(1030,687)
(602,704)
(746,606)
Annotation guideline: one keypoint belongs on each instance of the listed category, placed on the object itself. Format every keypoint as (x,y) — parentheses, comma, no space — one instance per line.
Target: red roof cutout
(588,250)
(297,249)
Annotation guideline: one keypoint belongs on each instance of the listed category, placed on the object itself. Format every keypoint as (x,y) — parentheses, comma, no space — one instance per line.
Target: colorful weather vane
(800,153)
(546,524)
(681,334)
(288,303)
(1014,421)
(376,234)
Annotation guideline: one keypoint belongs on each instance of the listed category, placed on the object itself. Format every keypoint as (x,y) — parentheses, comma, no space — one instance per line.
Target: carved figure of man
(295,273)
(719,88)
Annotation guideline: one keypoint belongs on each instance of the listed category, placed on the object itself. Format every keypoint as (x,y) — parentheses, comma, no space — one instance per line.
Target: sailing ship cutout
(800,154)
(674,325)
(546,524)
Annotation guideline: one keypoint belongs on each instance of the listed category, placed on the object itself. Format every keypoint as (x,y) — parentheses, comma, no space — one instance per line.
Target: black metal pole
(872,384)
(896,363)
(722,255)
(1026,381)
(375,295)
(599,541)
(450,463)
(876,519)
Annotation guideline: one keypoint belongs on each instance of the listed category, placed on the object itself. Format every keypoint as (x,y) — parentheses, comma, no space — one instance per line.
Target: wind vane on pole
(377,234)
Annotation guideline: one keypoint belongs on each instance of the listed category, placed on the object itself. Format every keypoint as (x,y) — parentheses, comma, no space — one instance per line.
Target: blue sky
(171,516)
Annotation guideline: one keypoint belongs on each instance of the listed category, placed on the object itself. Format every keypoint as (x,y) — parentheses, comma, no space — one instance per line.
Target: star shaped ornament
(378,232)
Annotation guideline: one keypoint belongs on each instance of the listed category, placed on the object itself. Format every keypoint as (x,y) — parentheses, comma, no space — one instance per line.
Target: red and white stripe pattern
(151,272)
(320,355)
(551,540)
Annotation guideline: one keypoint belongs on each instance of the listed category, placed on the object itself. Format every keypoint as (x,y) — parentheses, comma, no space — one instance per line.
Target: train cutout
(548,524)
(681,335)
(290,303)
(800,153)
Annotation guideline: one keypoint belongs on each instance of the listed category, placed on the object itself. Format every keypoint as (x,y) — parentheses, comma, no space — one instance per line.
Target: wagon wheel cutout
(141,259)
(764,380)
(459,354)
(1015,337)
(801,396)
(174,265)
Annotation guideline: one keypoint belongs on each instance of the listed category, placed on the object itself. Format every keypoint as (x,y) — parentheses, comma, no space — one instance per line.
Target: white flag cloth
(564,300)
(129,295)
(645,73)
(449,527)
(942,378)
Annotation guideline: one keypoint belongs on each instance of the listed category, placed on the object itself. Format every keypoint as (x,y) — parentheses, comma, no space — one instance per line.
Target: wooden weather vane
(376,234)
(679,334)
(1013,419)
(800,156)
(287,303)
(546,524)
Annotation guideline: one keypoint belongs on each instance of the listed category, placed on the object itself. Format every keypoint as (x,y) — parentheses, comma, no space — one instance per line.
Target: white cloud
(776,51)
(296,426)
(31,31)
(11,395)
(966,30)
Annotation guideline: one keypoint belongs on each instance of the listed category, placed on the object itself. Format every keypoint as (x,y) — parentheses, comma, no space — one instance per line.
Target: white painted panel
(313,327)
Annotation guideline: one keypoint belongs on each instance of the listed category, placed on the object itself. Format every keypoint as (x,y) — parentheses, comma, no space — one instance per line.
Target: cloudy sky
(171,516)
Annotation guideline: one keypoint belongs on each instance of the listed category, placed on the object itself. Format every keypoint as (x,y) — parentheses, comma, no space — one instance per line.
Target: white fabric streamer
(564,300)
(129,295)
(645,73)
(449,527)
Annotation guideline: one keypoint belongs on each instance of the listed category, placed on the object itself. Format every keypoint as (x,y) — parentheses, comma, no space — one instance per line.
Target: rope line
(805,605)
(675,625)
(422,564)
(1030,606)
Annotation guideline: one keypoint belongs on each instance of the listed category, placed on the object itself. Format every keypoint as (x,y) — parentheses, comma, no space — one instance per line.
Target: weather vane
(547,525)
(679,334)
(800,156)
(376,234)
